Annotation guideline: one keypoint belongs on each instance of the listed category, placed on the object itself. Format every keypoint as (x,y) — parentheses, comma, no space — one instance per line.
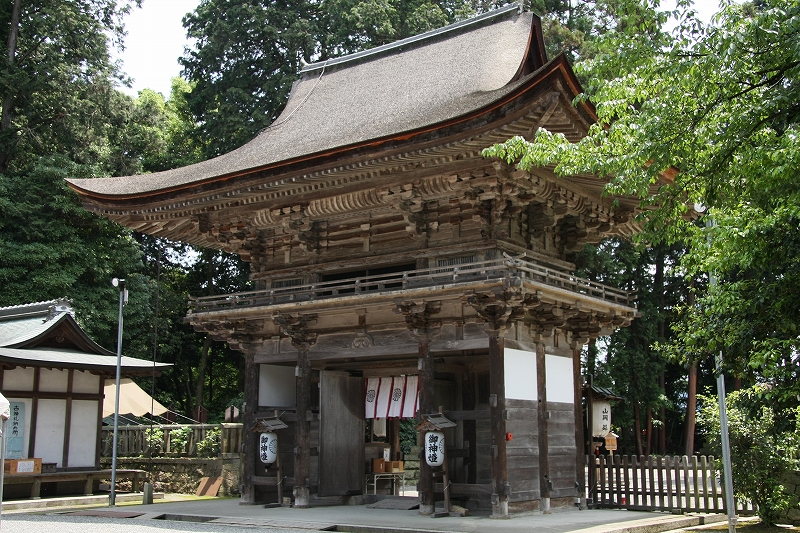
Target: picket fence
(132,441)
(670,483)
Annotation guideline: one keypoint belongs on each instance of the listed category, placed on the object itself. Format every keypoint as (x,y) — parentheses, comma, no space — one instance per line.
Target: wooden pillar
(580,467)
(302,458)
(427,403)
(249,438)
(499,309)
(423,327)
(497,407)
(542,416)
(297,327)
(469,401)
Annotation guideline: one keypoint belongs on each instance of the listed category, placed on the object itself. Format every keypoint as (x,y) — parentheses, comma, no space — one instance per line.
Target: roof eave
(557,66)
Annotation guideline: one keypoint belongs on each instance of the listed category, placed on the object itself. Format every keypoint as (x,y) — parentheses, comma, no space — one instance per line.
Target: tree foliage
(705,114)
(764,440)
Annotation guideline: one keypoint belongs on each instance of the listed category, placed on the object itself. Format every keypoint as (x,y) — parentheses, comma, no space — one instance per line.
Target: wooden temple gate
(382,244)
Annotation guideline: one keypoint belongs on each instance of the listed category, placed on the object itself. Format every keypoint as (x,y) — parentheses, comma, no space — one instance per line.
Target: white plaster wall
(83,440)
(520,374)
(50,426)
(85,382)
(276,386)
(52,380)
(19,378)
(560,388)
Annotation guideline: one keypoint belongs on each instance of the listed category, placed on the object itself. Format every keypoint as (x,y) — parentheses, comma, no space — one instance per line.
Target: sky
(156,39)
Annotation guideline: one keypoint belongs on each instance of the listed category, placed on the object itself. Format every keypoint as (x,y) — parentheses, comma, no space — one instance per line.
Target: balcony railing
(481,271)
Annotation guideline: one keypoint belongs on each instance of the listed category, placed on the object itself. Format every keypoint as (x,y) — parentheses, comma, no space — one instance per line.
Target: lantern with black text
(434,448)
(268,448)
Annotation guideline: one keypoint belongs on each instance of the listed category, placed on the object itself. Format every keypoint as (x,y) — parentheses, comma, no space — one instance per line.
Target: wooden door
(341,434)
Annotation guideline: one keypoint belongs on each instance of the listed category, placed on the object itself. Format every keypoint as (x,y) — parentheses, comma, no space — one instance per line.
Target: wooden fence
(690,484)
(132,440)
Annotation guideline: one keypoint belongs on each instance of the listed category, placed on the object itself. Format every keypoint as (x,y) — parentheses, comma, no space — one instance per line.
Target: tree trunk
(658,287)
(649,440)
(637,427)
(8,99)
(205,353)
(691,409)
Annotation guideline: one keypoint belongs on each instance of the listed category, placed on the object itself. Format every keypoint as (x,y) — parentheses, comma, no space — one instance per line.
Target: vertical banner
(16,432)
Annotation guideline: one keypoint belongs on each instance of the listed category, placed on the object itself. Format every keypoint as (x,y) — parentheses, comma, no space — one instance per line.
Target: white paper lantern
(268,448)
(601,418)
(434,448)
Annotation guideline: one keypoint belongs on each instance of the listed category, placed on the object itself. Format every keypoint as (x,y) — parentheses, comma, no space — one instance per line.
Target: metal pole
(727,470)
(2,460)
(112,499)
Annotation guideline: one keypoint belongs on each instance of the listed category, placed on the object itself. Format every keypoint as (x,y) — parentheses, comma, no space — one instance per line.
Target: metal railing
(470,273)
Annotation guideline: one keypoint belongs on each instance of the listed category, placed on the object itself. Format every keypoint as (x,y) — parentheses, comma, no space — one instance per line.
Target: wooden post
(249,438)
(469,401)
(497,408)
(580,454)
(541,415)
(426,405)
(423,327)
(297,327)
(302,458)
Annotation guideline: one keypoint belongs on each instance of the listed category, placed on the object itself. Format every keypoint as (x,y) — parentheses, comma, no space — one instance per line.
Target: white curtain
(391,397)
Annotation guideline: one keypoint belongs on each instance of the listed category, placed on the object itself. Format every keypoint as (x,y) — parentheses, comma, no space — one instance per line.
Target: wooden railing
(132,441)
(492,270)
(690,484)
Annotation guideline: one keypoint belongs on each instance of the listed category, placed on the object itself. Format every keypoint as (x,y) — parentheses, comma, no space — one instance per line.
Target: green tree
(56,80)
(706,114)
(245,58)
(764,440)
(51,247)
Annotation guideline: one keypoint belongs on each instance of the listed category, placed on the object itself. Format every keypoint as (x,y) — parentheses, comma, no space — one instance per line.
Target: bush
(154,439)
(762,447)
(179,439)
(209,446)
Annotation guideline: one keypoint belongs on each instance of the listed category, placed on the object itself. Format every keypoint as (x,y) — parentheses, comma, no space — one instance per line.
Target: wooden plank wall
(561,440)
(523,450)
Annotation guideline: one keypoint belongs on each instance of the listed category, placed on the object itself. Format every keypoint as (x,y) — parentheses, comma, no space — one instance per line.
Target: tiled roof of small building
(27,332)
(407,86)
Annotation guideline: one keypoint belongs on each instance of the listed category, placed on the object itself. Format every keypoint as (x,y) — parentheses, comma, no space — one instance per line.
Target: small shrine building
(385,250)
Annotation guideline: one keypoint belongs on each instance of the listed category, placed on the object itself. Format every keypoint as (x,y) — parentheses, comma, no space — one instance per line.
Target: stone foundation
(182,475)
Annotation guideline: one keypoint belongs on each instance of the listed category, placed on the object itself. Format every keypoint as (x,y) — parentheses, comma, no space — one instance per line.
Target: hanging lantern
(434,448)
(601,418)
(268,448)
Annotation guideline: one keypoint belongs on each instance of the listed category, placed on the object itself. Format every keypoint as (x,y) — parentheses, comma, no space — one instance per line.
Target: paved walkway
(216,513)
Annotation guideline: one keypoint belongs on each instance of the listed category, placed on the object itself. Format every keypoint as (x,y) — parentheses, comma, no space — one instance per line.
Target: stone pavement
(361,519)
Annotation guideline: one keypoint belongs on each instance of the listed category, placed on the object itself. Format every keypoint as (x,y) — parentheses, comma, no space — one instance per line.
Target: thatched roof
(402,88)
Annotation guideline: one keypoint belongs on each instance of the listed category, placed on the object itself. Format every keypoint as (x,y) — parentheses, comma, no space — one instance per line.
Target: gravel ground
(26,523)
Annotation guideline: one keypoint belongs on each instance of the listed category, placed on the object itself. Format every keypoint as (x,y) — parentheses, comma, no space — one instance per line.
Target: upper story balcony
(559,284)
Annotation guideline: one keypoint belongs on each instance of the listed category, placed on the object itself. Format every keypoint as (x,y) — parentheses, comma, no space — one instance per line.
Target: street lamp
(123,299)
(727,470)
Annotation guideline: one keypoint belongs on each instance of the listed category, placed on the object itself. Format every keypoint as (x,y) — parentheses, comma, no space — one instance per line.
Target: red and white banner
(391,397)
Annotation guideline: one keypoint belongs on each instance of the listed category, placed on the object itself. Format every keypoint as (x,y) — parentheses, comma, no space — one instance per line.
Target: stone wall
(791,486)
(183,474)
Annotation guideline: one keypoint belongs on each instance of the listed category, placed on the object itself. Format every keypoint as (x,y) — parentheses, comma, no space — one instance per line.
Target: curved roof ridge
(414,39)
